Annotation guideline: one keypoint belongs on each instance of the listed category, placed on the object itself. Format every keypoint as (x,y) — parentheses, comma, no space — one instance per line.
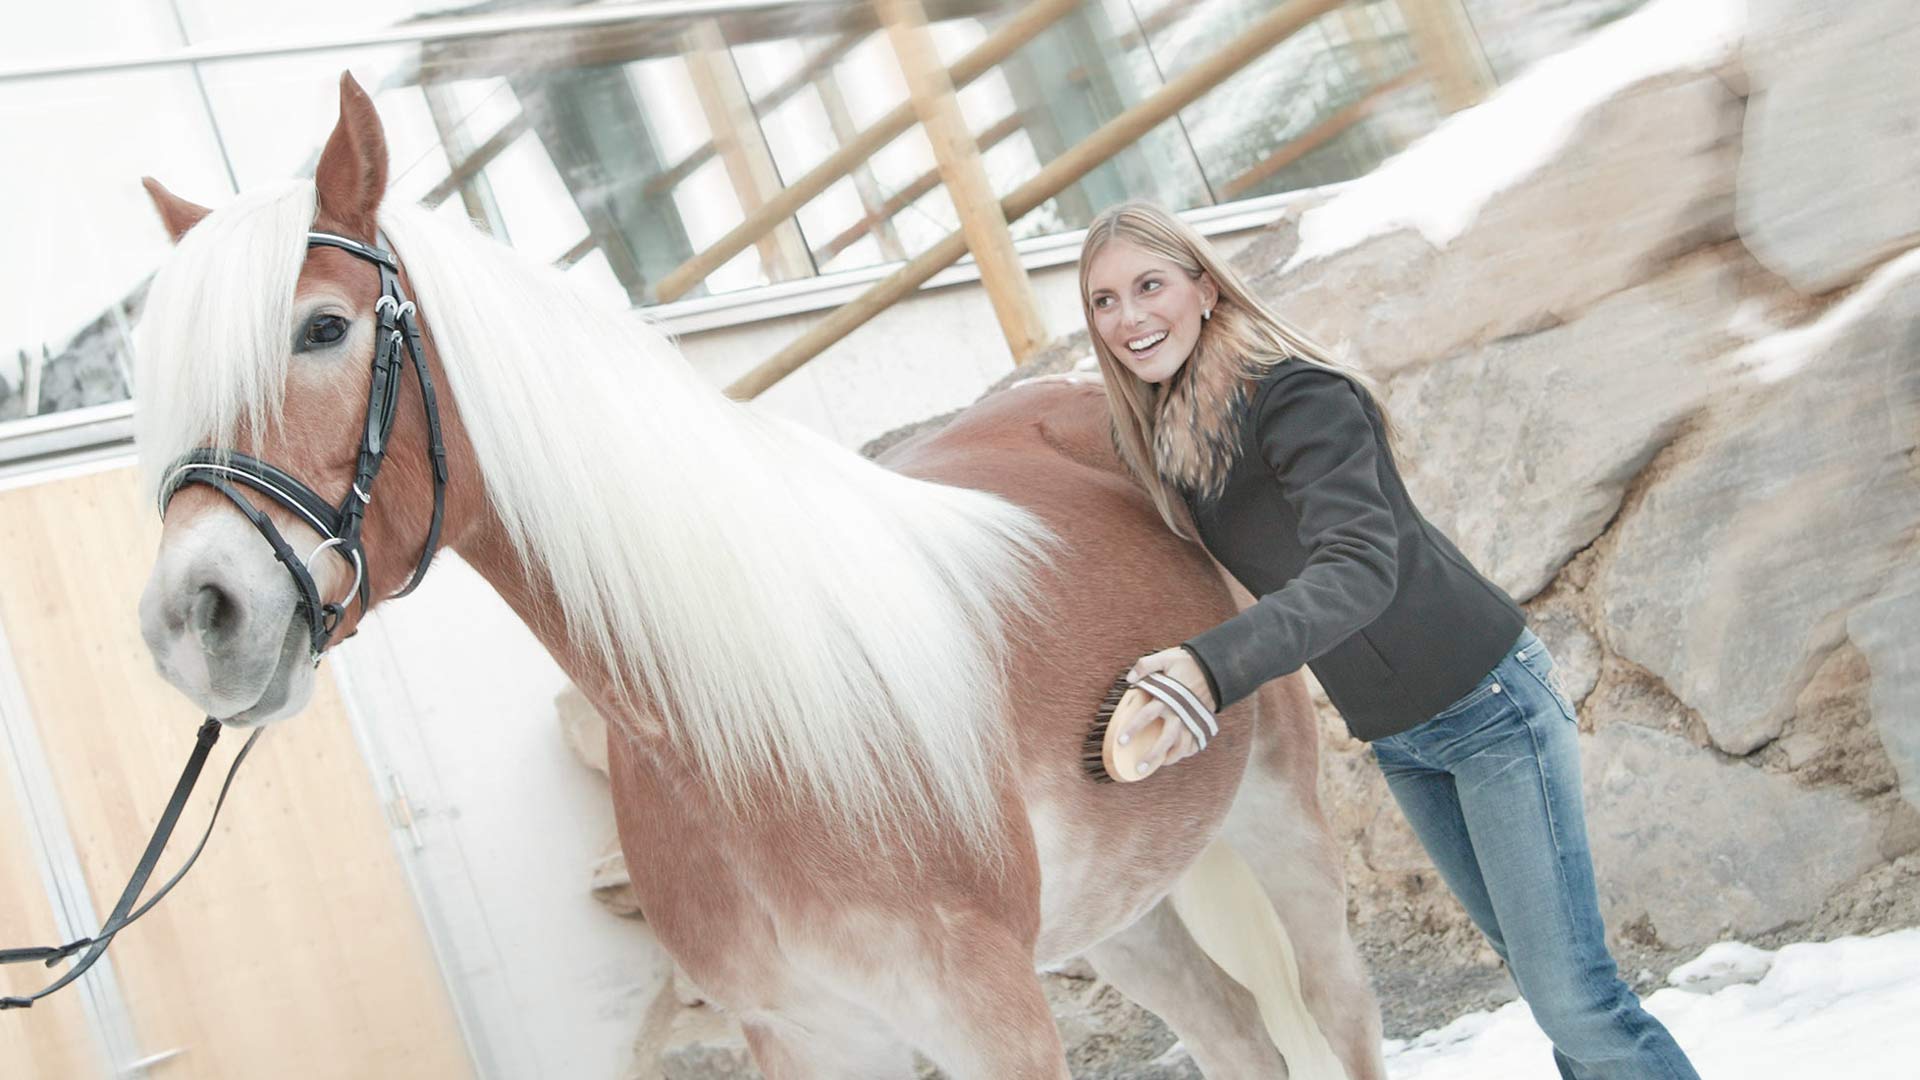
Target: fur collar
(1200,411)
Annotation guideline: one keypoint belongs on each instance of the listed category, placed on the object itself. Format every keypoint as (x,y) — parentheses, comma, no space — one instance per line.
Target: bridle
(338,526)
(226,471)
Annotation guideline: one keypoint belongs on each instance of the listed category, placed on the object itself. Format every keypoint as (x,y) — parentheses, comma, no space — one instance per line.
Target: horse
(846,699)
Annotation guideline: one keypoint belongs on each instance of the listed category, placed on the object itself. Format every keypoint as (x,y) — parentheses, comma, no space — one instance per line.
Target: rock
(1738,568)
(611,884)
(1887,631)
(1640,177)
(1701,848)
(1724,964)
(1822,202)
(704,1043)
(584,728)
(1589,402)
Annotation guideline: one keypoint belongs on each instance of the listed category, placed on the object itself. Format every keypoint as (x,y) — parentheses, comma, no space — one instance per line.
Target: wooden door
(293,948)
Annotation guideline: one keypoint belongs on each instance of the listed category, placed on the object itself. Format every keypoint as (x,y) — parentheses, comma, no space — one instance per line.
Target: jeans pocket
(1539,663)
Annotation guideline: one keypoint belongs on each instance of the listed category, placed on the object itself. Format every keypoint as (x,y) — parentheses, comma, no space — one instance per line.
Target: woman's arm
(1315,435)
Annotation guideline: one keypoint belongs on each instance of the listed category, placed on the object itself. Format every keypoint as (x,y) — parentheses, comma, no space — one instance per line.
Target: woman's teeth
(1144,343)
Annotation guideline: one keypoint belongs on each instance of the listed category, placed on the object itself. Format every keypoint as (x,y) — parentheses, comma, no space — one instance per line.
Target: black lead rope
(124,912)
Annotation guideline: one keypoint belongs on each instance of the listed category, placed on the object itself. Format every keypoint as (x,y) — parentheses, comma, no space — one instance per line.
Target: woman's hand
(1175,741)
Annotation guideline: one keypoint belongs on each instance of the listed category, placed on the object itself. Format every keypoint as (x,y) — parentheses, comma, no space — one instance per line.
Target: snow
(1849,1007)
(1438,184)
(1780,354)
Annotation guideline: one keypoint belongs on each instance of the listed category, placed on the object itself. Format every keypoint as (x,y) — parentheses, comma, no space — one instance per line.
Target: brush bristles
(1093,750)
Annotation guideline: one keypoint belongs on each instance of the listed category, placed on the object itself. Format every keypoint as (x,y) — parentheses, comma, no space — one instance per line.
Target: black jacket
(1352,581)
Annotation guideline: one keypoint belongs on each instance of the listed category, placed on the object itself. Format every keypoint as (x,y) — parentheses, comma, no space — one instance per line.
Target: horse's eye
(325,330)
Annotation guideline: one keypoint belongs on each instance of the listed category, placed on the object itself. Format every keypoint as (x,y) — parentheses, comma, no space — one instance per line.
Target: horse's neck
(531,596)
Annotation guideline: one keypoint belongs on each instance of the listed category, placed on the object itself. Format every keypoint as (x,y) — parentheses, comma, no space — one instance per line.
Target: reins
(226,471)
(124,912)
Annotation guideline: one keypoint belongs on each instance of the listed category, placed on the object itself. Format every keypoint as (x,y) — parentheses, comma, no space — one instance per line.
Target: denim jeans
(1491,786)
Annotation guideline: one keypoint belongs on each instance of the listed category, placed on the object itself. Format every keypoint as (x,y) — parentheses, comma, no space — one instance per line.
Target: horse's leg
(984,1016)
(1311,895)
(852,1049)
(1157,963)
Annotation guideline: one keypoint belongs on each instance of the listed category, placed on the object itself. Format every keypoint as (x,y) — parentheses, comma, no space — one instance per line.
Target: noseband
(226,471)
(339,528)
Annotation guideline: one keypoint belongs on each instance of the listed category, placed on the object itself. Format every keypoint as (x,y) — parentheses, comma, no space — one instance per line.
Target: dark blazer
(1352,581)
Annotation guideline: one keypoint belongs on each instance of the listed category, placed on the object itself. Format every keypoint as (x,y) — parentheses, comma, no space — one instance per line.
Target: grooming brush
(1102,756)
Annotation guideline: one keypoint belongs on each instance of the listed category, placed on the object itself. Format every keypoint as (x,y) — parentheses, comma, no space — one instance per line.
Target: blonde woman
(1281,460)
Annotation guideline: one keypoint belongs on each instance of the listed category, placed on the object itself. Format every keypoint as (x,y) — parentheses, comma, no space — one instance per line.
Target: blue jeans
(1491,786)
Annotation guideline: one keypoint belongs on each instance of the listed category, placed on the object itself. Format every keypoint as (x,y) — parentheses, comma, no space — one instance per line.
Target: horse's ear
(352,174)
(176,213)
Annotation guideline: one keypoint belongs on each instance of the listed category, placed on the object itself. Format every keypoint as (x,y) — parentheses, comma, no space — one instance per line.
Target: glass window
(620,151)
(81,234)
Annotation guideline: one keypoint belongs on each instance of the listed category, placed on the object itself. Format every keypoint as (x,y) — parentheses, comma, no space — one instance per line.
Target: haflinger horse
(846,699)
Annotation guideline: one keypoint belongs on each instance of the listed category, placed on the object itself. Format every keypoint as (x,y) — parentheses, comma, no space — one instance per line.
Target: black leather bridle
(226,471)
(338,526)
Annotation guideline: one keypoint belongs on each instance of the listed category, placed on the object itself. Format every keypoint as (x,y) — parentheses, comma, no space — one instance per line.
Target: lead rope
(124,912)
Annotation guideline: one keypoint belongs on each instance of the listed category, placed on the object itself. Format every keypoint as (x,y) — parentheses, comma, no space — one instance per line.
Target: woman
(1253,442)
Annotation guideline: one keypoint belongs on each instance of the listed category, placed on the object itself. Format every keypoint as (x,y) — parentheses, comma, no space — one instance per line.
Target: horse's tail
(1228,913)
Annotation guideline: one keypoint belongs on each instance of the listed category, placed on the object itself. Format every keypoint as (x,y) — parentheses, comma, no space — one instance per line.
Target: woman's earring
(1205,314)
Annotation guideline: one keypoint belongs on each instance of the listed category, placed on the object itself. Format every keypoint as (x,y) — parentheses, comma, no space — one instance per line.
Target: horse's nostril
(214,614)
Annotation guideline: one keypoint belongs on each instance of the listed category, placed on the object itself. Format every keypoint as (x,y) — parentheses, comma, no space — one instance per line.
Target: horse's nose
(214,616)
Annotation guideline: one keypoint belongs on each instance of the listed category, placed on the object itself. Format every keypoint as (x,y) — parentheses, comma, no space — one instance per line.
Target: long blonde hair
(1243,336)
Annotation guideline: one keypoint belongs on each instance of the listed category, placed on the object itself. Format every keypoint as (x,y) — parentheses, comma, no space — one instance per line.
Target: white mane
(792,610)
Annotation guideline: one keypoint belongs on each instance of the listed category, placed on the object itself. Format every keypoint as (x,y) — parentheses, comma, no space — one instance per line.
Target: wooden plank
(1085,156)
(998,45)
(742,148)
(1449,51)
(911,193)
(872,199)
(1319,135)
(293,948)
(958,157)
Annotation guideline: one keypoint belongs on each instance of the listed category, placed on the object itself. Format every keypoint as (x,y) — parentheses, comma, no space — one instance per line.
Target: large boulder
(1787,508)
(1821,202)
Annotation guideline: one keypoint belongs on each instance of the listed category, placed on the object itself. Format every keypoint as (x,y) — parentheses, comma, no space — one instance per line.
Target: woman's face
(1146,309)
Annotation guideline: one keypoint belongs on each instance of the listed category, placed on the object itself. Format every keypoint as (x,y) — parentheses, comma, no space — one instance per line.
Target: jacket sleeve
(1314,433)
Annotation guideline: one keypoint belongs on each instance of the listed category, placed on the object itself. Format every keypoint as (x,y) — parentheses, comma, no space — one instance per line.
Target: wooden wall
(293,948)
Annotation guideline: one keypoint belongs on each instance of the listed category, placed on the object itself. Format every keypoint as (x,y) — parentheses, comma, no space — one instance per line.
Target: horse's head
(278,328)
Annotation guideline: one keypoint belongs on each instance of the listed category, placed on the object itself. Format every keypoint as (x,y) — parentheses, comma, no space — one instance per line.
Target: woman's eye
(325,329)
(1102,301)
(1149,285)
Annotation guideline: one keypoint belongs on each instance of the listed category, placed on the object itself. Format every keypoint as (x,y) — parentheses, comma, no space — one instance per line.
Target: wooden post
(911,193)
(1445,42)
(1321,134)
(872,199)
(737,139)
(1108,140)
(981,220)
(1000,44)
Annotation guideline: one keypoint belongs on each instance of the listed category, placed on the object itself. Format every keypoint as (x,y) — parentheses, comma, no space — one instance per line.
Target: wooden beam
(661,183)
(872,199)
(965,176)
(911,194)
(1450,52)
(1012,34)
(1084,157)
(742,148)
(1295,149)
(469,167)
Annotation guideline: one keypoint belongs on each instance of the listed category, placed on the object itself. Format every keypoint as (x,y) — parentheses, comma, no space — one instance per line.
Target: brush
(1101,754)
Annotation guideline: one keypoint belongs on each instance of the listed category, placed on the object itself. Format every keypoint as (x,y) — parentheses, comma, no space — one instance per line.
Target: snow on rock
(1439,184)
(1724,964)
